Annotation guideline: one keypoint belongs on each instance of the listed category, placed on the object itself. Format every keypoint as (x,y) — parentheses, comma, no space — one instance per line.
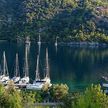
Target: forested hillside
(70,20)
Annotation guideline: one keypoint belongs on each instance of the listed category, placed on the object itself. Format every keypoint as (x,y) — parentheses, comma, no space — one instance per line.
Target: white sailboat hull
(35,86)
(38,85)
(47,80)
(24,80)
(16,79)
(4,79)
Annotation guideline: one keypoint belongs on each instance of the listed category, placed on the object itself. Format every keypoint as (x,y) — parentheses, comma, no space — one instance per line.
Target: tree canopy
(70,20)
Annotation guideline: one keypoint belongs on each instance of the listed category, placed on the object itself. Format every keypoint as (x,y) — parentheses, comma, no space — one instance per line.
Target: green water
(77,67)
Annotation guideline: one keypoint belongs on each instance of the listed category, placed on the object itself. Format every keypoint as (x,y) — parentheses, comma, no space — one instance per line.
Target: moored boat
(39,83)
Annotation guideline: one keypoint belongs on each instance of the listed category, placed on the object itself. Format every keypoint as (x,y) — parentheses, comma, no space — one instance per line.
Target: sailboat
(39,83)
(16,77)
(25,79)
(4,77)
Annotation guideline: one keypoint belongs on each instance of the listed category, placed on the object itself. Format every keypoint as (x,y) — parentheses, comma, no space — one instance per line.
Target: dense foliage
(59,91)
(10,97)
(93,97)
(70,20)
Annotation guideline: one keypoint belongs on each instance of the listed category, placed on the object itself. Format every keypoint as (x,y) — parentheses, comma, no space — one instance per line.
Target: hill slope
(70,20)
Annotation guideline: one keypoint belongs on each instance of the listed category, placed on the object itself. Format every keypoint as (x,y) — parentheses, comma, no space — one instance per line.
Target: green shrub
(93,97)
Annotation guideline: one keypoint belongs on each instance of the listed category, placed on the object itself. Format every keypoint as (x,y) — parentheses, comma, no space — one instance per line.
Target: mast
(38,56)
(5,68)
(16,66)
(47,65)
(39,39)
(4,63)
(27,42)
(37,69)
(0,70)
(27,49)
(39,46)
(56,41)
(26,68)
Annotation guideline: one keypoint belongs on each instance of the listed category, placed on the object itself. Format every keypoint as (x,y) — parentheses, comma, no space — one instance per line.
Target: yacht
(4,77)
(39,83)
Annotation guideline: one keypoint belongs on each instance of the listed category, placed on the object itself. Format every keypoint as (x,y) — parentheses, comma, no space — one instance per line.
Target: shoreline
(87,44)
(71,44)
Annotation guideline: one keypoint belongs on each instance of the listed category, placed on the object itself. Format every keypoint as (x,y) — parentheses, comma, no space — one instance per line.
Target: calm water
(77,67)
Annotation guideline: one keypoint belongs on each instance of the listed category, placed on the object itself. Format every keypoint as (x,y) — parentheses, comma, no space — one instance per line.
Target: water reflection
(78,67)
